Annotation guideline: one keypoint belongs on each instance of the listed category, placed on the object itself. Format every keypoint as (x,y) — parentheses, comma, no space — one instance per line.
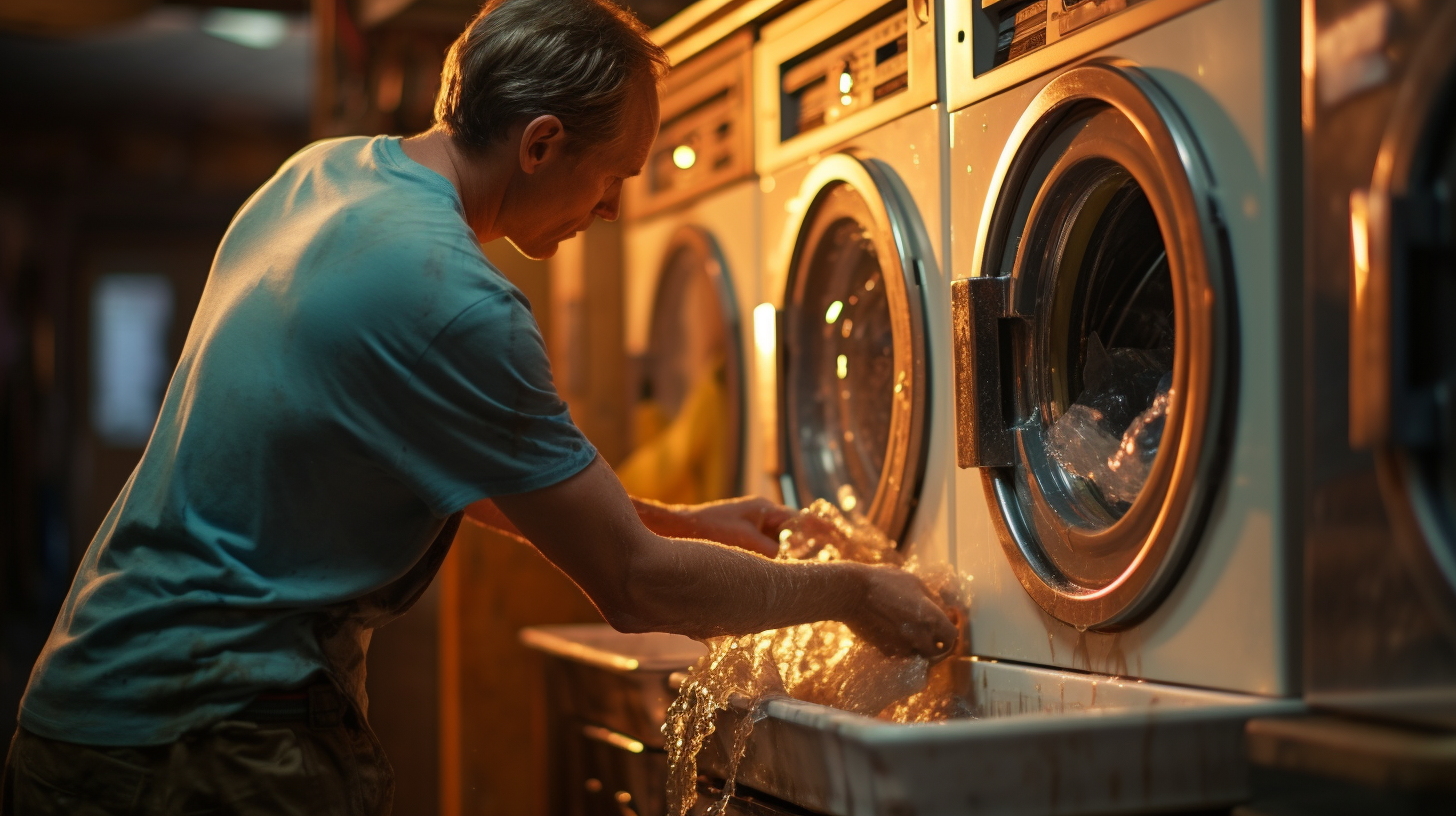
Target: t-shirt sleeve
(489,421)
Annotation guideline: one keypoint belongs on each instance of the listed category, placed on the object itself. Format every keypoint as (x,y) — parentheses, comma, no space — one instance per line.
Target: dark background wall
(126,149)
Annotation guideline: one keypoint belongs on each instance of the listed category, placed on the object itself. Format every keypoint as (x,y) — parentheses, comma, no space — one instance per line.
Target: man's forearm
(702,589)
(668,520)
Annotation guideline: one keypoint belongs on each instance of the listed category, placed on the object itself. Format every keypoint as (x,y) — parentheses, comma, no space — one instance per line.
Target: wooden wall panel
(492,696)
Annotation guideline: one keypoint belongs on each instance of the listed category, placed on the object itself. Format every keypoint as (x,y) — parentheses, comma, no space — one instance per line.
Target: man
(357,373)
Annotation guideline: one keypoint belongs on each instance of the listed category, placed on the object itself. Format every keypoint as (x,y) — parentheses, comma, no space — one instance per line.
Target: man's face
(566,193)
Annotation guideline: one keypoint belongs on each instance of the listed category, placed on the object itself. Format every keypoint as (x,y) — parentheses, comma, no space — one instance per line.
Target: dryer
(1381,586)
(691,278)
(1128,317)
(854,328)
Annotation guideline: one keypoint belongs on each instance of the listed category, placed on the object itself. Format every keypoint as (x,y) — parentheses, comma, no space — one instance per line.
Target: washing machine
(853,331)
(691,278)
(1128,324)
(1381,545)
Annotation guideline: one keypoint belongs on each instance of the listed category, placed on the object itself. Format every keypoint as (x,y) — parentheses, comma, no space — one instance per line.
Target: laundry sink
(1042,741)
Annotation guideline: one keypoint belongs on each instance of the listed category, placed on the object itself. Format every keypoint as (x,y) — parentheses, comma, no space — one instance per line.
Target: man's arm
(641,582)
(750,523)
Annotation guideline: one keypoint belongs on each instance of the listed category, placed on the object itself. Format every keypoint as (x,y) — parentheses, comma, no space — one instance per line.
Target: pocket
(264,770)
(75,780)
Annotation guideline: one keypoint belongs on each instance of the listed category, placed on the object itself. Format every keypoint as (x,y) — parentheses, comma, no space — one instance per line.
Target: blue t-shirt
(356,372)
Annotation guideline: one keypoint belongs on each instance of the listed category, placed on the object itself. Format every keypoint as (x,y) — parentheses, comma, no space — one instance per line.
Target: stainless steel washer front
(1095,349)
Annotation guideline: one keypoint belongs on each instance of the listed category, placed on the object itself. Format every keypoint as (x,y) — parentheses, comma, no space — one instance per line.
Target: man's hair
(519,59)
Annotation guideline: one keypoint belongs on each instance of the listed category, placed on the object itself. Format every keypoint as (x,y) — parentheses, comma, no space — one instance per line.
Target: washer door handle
(978,307)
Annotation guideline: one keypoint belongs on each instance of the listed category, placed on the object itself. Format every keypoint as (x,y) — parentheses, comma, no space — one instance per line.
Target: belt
(319,705)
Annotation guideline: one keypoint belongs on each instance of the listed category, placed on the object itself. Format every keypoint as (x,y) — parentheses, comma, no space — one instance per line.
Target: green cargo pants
(235,767)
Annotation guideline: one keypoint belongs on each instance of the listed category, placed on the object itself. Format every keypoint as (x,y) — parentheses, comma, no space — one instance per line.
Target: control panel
(1016,28)
(847,77)
(831,69)
(706,135)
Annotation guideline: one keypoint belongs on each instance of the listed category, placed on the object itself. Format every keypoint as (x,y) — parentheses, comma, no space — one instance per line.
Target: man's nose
(610,206)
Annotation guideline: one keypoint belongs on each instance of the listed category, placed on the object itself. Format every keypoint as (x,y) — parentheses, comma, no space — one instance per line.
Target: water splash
(822,663)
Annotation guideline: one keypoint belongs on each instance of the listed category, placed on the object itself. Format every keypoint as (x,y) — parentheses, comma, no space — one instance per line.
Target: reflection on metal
(1350,54)
(1369,334)
(853,364)
(612,738)
(766,366)
(1110,172)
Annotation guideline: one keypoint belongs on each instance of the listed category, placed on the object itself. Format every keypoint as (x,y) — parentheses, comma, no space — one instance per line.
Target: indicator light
(684,157)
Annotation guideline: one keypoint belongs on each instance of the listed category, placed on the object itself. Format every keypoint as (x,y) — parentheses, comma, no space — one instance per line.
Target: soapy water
(1111,434)
(823,663)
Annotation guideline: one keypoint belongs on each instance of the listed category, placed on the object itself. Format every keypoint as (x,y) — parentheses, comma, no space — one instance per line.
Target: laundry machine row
(1032,295)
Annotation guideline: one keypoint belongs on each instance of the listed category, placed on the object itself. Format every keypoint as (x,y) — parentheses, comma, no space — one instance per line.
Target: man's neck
(481,179)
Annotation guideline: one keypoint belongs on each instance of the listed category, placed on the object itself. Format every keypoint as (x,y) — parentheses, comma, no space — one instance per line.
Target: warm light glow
(684,157)
(846,82)
(1360,244)
(610,737)
(834,309)
(765,343)
(247,27)
(846,100)
(841,366)
(764,330)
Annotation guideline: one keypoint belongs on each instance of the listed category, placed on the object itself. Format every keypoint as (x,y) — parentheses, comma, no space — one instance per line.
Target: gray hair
(520,59)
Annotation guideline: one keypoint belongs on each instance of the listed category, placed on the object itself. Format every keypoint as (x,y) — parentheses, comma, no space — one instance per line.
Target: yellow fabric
(687,462)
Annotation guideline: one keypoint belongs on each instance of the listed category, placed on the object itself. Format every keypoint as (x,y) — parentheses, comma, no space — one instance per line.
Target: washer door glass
(854,360)
(1115,349)
(688,419)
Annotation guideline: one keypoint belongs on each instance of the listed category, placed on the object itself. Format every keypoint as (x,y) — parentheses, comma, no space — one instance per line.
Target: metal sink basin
(1043,742)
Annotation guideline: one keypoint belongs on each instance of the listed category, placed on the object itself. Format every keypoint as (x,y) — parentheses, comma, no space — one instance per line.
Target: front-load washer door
(689,415)
(1094,350)
(1402,335)
(853,380)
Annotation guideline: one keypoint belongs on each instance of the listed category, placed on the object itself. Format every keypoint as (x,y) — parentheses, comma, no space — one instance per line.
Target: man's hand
(749,523)
(899,615)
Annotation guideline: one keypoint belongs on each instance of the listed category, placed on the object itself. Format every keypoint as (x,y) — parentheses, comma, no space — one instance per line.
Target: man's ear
(542,141)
